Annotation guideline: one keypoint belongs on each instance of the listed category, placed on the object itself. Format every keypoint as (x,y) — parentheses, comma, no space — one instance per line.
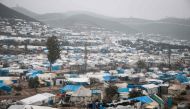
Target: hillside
(61,20)
(25,11)
(6,12)
(175,27)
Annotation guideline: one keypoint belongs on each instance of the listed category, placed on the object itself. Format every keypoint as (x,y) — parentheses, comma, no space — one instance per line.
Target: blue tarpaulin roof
(72,88)
(4,87)
(120,70)
(33,73)
(134,86)
(95,91)
(120,90)
(4,71)
(108,77)
(182,78)
(143,99)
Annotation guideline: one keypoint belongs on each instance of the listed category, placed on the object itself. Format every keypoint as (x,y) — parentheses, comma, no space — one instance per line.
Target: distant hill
(25,11)
(6,12)
(176,21)
(64,20)
(175,27)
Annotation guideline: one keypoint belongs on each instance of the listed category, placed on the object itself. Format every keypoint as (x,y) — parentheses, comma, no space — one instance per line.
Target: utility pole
(85,58)
(169,56)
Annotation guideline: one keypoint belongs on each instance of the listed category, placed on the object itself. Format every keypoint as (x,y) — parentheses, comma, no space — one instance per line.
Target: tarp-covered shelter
(38,99)
(72,88)
(108,77)
(4,71)
(120,70)
(143,99)
(4,87)
(123,90)
(78,81)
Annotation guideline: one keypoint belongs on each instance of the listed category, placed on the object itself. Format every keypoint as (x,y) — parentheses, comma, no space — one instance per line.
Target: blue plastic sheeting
(72,88)
(181,78)
(34,73)
(134,86)
(56,67)
(78,83)
(73,75)
(143,99)
(4,87)
(107,73)
(120,70)
(120,90)
(166,77)
(108,77)
(96,91)
(4,72)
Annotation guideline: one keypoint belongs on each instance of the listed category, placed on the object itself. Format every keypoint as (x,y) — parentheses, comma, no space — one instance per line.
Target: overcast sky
(148,9)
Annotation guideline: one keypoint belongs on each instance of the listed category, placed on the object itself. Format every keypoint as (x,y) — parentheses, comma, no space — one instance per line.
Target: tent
(72,88)
(134,86)
(108,77)
(158,100)
(120,70)
(182,78)
(37,99)
(29,107)
(4,71)
(79,81)
(5,88)
(123,90)
(34,73)
(143,99)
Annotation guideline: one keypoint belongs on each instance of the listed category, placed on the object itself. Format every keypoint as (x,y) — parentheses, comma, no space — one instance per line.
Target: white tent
(38,99)
(29,107)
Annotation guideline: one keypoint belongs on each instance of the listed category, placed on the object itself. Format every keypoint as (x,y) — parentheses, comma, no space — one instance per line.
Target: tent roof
(82,92)
(148,86)
(36,98)
(5,87)
(79,80)
(72,88)
(120,90)
(143,99)
(29,107)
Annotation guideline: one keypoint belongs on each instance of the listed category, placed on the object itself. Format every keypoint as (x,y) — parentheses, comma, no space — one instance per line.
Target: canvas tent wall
(38,99)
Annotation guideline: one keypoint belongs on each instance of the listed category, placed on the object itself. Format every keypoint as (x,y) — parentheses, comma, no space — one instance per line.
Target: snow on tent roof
(36,98)
(5,87)
(72,88)
(148,86)
(143,99)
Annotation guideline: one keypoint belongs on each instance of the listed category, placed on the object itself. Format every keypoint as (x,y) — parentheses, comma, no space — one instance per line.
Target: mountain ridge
(6,12)
(175,27)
